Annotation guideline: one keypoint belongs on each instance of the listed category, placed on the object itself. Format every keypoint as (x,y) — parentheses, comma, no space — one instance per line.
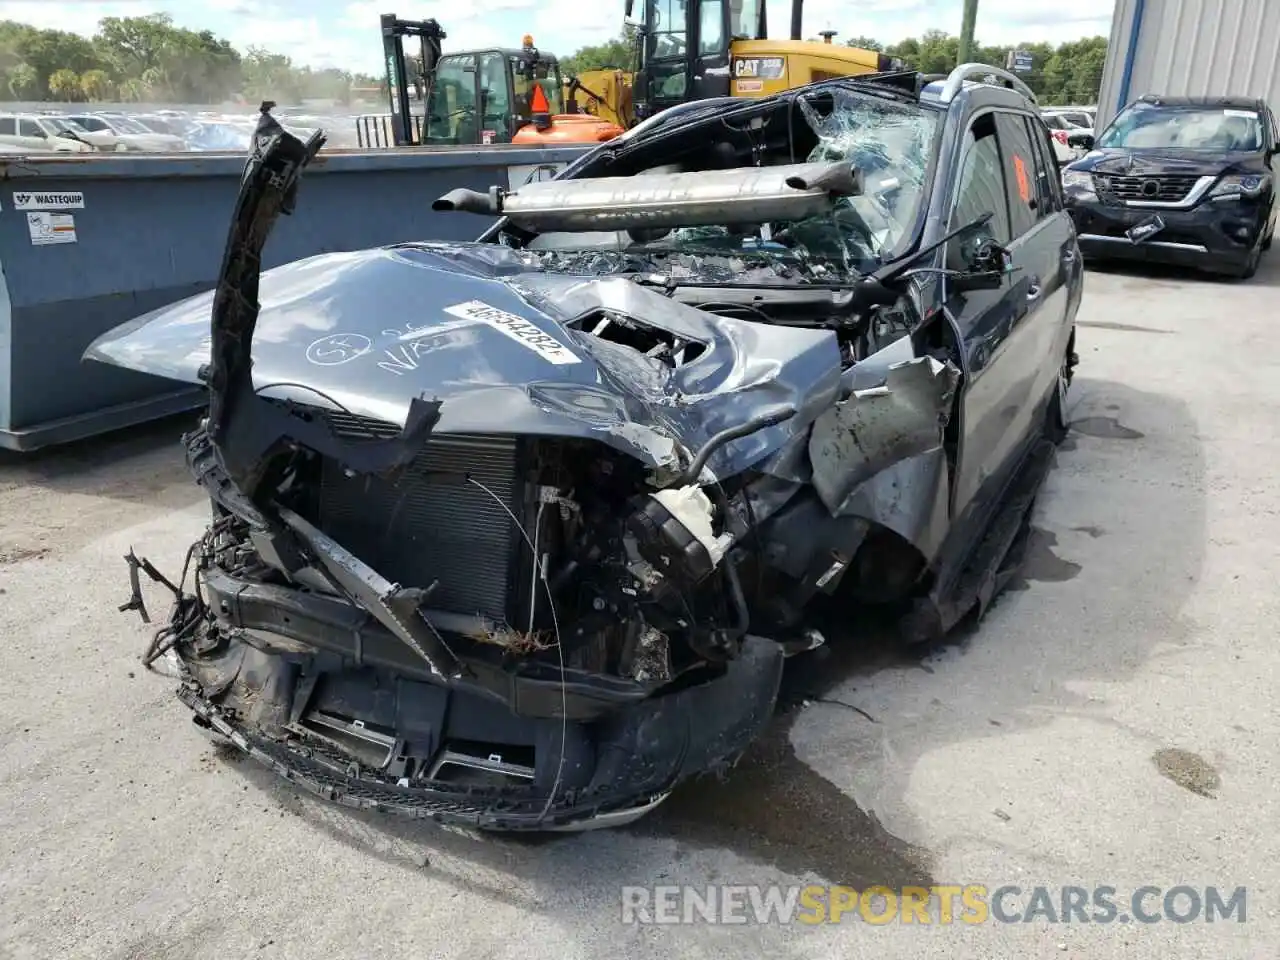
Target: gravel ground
(1106,724)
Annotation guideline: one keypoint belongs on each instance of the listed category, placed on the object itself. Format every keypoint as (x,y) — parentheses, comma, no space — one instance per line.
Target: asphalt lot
(1037,750)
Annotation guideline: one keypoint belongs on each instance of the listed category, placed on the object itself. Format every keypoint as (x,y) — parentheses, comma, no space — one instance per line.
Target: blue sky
(345,32)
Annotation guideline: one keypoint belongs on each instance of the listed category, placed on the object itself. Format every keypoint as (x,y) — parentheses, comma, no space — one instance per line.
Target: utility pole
(967,25)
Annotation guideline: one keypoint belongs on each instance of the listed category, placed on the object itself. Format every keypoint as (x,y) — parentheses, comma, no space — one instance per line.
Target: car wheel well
(884,570)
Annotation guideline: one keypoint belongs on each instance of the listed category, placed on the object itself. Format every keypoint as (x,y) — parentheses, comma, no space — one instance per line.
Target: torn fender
(879,454)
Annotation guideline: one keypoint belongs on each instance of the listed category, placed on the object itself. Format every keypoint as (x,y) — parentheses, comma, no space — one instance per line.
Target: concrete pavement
(1037,750)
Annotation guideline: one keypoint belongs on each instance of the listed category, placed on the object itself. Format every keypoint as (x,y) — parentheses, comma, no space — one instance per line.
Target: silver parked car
(129,132)
(30,132)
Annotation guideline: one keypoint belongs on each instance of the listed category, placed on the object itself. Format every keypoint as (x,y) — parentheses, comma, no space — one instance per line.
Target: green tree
(22,82)
(617,54)
(132,90)
(865,43)
(269,76)
(136,43)
(96,85)
(64,84)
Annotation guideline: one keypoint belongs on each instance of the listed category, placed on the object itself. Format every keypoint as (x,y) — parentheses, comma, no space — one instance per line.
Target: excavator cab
(686,48)
(695,49)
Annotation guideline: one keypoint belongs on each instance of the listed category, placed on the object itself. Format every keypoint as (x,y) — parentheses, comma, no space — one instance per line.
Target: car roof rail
(957,77)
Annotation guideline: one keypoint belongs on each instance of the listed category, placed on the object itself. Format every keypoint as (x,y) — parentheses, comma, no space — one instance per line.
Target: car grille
(431,523)
(1163,188)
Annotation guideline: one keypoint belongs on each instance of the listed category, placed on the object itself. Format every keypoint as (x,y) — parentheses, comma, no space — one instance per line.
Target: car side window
(1019,165)
(29,128)
(980,186)
(8,126)
(1048,183)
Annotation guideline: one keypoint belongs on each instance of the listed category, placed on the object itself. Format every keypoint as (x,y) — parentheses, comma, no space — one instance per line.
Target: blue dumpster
(87,244)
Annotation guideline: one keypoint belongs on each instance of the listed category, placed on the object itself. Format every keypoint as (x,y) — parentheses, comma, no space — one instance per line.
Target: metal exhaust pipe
(797,17)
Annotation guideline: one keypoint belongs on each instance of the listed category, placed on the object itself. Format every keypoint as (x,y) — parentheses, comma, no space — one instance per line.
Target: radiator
(431,524)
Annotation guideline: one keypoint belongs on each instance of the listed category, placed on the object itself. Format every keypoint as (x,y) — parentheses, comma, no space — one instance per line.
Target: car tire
(1056,424)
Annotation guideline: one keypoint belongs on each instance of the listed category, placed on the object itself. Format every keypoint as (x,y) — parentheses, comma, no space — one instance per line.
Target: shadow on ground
(138,464)
(1268,274)
(59,498)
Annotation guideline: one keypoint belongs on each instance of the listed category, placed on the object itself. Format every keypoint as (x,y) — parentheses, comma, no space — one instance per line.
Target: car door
(1009,338)
(983,318)
(711,67)
(30,135)
(1051,243)
(1043,249)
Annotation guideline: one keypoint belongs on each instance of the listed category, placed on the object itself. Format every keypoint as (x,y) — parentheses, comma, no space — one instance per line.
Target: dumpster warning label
(23,200)
(49,228)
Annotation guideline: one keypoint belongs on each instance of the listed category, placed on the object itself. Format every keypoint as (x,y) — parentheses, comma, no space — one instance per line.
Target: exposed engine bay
(524,538)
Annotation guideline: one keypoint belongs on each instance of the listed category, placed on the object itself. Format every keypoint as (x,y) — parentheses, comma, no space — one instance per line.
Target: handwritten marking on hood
(338,348)
(522,331)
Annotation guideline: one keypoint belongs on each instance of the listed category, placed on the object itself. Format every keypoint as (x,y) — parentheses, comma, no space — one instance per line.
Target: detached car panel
(517,533)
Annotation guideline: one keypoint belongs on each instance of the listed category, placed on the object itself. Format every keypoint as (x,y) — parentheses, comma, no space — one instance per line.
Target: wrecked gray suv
(518,533)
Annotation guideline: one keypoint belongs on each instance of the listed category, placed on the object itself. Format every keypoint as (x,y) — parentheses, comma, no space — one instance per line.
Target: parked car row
(105,131)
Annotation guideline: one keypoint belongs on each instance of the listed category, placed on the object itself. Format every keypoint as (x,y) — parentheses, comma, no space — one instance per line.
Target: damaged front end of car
(518,533)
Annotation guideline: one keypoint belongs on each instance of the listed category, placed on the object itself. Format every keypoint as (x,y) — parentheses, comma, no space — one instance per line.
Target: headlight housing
(1078,185)
(1241,185)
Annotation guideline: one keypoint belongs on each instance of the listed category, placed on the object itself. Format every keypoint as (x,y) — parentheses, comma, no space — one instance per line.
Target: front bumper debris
(1216,235)
(641,754)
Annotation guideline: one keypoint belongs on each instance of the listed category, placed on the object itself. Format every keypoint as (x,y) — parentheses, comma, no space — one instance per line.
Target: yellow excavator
(695,49)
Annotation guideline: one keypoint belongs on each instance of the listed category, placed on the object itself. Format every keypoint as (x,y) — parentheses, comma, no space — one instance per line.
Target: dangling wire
(555,622)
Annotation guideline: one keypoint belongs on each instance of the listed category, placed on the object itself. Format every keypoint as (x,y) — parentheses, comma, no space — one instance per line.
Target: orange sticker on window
(1024,185)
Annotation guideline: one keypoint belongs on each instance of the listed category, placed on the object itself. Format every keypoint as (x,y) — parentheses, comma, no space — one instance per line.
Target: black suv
(750,360)
(1182,180)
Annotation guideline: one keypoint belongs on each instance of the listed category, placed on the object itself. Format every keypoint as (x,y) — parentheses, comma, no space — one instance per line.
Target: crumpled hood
(478,327)
(1201,163)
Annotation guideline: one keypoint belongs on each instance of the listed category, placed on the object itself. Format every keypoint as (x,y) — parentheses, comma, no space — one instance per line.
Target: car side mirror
(988,263)
(1084,141)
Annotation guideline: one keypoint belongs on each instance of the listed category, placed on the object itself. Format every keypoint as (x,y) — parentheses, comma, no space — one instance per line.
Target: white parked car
(129,132)
(33,133)
(1084,117)
(1060,128)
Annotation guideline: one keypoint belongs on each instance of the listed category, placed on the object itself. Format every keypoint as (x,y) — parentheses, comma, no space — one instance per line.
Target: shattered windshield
(891,142)
(1187,128)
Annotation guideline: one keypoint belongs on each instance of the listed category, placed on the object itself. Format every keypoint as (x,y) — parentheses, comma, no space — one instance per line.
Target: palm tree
(96,85)
(64,84)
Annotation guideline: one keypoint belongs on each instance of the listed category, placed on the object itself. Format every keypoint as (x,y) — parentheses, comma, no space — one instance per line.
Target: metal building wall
(1191,48)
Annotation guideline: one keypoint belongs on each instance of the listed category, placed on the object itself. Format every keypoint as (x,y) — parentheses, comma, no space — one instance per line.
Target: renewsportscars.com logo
(937,905)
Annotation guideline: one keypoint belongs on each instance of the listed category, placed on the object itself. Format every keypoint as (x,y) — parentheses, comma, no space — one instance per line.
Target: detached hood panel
(505,347)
